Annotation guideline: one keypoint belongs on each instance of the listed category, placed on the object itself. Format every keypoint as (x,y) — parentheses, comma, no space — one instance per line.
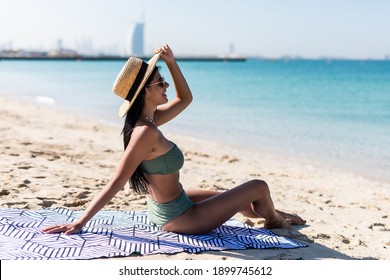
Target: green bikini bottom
(161,213)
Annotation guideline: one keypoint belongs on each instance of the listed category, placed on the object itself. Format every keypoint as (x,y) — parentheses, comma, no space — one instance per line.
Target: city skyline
(302,28)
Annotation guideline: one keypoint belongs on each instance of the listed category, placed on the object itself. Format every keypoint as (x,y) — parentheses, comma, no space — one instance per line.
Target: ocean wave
(45,100)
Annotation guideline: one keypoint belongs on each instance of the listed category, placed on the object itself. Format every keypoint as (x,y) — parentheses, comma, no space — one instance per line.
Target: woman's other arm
(140,145)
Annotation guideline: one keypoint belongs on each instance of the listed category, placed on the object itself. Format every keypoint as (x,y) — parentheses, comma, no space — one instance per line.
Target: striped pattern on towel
(118,234)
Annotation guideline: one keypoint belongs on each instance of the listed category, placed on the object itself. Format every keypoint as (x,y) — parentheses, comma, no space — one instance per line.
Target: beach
(52,158)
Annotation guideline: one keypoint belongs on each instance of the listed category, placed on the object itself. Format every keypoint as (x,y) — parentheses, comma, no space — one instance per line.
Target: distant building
(135,44)
(231,49)
(84,46)
(60,51)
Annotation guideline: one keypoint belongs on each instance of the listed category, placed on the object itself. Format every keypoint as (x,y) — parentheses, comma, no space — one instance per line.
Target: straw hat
(131,80)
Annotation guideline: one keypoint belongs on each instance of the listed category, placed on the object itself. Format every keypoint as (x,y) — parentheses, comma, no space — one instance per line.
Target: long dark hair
(137,181)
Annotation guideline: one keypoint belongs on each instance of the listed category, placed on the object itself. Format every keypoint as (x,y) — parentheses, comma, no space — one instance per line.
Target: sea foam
(45,100)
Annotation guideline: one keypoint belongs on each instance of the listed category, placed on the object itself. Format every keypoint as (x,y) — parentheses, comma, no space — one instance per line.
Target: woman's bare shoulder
(146,132)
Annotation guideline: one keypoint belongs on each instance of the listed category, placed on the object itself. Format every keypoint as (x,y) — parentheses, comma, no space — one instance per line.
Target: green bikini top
(168,163)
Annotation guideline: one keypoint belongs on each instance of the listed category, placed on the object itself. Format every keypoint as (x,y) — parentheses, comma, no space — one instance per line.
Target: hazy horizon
(266,29)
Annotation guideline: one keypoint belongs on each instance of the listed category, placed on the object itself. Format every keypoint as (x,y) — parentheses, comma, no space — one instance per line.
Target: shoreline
(302,159)
(52,158)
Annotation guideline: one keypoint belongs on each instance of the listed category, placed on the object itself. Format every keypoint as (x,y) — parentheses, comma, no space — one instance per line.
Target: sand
(52,158)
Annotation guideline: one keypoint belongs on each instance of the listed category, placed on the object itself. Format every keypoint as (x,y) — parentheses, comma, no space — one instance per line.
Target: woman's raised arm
(183,96)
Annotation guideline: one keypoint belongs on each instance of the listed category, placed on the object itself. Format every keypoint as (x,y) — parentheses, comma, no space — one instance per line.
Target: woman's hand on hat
(166,53)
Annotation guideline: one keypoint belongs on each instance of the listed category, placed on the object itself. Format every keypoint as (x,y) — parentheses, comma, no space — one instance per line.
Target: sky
(275,28)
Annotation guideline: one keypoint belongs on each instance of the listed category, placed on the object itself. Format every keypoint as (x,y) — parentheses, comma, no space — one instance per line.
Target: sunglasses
(161,83)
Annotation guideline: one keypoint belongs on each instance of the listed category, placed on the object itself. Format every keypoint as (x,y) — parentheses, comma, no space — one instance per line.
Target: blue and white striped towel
(118,234)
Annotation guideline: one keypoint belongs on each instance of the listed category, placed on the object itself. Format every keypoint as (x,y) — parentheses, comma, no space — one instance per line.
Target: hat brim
(126,105)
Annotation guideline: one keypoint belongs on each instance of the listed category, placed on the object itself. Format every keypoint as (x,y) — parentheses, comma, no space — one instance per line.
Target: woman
(151,162)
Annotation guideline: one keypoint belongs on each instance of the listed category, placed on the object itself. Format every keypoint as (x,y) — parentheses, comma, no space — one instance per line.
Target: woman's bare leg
(197,196)
(215,210)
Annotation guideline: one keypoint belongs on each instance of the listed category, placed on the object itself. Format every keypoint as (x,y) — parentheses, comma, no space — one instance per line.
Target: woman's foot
(294,218)
(284,220)
(278,222)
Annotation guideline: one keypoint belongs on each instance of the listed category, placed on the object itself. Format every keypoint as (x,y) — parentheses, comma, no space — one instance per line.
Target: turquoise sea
(331,112)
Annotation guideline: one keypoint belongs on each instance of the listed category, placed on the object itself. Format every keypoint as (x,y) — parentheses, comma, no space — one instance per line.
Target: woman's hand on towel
(65,228)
